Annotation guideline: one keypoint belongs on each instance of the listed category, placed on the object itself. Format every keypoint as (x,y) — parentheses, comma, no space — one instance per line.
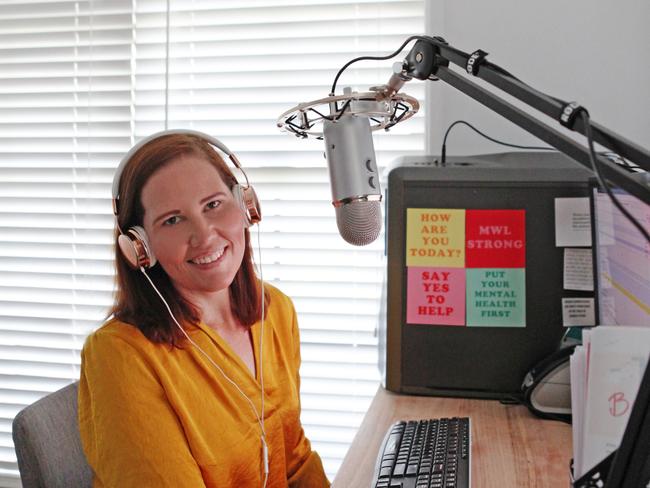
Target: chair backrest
(48,446)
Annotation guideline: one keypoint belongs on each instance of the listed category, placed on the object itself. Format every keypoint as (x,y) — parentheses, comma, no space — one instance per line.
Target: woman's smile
(209,258)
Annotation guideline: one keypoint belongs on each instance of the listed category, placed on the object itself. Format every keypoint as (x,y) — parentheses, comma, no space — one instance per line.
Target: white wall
(596,52)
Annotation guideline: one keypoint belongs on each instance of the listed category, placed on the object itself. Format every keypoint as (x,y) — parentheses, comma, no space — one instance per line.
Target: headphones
(134,243)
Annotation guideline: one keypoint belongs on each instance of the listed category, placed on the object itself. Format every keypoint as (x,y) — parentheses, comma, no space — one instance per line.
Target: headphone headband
(212,140)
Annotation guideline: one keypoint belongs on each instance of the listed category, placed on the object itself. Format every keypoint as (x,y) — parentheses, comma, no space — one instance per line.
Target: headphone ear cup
(249,204)
(135,248)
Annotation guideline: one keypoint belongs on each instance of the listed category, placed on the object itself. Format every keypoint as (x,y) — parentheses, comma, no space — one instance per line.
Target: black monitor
(622,259)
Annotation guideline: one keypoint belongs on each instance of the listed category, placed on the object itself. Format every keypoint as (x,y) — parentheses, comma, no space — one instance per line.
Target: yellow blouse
(155,416)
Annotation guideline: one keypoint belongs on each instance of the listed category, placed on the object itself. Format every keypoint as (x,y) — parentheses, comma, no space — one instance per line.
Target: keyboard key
(391,447)
(385,472)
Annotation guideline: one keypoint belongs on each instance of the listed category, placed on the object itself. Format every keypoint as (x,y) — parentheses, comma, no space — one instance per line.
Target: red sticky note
(495,238)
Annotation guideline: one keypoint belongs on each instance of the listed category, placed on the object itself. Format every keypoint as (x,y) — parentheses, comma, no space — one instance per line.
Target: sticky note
(495,239)
(496,297)
(435,296)
(435,237)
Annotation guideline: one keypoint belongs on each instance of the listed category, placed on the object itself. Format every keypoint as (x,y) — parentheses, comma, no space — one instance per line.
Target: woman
(173,397)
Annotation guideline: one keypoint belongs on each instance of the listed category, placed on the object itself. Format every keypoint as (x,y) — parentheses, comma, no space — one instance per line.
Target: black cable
(320,114)
(601,181)
(394,120)
(398,50)
(373,58)
(345,105)
(443,152)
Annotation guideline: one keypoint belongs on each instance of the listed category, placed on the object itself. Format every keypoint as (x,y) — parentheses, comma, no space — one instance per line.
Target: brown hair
(135,301)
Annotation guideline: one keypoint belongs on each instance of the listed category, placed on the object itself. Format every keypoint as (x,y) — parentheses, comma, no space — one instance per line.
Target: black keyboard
(432,453)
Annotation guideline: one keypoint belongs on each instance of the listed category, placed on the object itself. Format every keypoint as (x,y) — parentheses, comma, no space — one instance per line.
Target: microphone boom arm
(429,60)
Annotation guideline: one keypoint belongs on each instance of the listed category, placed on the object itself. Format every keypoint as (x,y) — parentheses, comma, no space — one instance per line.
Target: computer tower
(474,280)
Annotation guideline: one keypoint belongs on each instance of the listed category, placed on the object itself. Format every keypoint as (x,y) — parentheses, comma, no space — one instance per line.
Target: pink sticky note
(435,296)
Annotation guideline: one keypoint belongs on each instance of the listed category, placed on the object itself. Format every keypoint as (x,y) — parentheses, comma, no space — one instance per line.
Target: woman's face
(194,225)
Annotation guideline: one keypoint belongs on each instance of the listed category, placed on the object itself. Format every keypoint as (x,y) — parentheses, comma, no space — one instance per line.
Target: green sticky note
(496,297)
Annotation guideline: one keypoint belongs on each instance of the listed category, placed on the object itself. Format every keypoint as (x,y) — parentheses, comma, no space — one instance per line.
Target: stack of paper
(605,375)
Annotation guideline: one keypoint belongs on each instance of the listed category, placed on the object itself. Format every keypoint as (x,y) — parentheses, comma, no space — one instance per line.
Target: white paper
(577,368)
(578,269)
(617,360)
(572,222)
(578,312)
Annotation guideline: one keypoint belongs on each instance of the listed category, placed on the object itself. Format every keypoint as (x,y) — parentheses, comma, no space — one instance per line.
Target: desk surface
(510,446)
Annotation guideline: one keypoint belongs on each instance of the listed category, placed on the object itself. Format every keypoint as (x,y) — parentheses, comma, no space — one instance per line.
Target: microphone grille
(359,222)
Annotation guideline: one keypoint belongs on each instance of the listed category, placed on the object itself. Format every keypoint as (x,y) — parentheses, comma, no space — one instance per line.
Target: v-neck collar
(254,332)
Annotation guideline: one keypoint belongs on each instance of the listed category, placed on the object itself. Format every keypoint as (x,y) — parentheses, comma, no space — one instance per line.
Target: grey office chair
(48,446)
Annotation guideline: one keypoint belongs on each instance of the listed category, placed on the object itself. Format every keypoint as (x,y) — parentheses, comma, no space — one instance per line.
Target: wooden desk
(511,448)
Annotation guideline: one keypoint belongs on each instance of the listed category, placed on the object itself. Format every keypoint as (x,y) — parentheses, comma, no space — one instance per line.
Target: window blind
(82,81)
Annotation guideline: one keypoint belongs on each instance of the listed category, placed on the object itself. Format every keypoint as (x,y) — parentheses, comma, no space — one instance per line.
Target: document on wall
(578,312)
(578,269)
(614,363)
(572,222)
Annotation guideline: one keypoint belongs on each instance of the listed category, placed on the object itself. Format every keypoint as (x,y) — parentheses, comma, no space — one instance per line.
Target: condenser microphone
(350,154)
(354,179)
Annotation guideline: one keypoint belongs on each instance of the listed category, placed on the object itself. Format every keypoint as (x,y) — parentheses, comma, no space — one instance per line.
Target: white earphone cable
(260,420)
(261,360)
